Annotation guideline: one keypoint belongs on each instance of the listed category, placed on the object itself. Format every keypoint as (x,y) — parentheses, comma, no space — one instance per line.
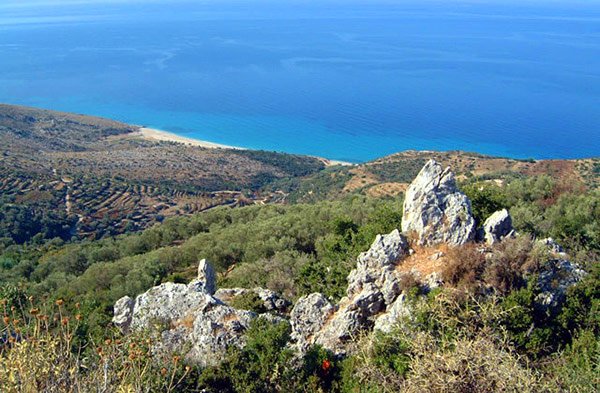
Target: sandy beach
(160,135)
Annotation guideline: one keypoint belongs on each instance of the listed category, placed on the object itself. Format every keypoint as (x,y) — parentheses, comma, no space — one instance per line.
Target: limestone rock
(555,279)
(352,317)
(188,320)
(207,278)
(387,321)
(377,266)
(432,281)
(436,210)
(123,310)
(307,317)
(552,245)
(498,226)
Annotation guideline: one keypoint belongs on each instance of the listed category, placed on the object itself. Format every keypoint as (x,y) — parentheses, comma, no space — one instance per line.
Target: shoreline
(154,134)
(166,136)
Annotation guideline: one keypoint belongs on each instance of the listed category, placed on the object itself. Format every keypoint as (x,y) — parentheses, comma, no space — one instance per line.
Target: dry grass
(468,365)
(43,353)
(425,260)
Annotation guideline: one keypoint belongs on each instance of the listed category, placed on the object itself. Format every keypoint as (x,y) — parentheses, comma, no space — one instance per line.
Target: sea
(350,80)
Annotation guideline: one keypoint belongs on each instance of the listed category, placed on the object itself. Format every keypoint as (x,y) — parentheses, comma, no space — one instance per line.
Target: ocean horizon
(350,81)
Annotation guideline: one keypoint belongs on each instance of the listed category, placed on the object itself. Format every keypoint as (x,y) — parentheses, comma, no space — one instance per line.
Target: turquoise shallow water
(350,80)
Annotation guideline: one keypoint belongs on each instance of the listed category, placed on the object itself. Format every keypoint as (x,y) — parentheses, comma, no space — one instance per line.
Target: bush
(464,267)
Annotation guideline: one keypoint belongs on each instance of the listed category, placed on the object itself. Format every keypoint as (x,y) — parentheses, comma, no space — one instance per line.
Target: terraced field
(100,178)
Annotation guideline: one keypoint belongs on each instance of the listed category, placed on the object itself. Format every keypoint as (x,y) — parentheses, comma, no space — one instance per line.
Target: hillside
(355,294)
(64,175)
(389,176)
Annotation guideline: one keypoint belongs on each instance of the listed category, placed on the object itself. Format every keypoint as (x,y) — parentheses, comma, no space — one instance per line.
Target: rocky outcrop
(372,286)
(187,319)
(555,279)
(308,317)
(498,226)
(435,210)
(201,322)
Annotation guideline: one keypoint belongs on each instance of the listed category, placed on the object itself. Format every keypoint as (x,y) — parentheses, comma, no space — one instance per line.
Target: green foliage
(249,301)
(293,165)
(577,368)
(485,199)
(258,367)
(391,352)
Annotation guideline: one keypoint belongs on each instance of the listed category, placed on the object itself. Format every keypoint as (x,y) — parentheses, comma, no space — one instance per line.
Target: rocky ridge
(198,319)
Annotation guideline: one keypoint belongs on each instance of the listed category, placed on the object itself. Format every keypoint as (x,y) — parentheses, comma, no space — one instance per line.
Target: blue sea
(350,80)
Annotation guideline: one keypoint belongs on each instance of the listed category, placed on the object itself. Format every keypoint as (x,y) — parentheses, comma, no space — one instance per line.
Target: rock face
(498,226)
(436,210)
(308,317)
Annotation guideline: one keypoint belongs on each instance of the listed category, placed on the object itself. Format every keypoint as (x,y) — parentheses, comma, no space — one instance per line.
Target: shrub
(464,266)
(249,301)
(471,364)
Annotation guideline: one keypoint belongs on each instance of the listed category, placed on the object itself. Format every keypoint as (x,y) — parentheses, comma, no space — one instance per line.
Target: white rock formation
(436,210)
(498,226)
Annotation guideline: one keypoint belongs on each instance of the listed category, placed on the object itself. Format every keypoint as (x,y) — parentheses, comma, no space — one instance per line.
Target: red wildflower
(326,365)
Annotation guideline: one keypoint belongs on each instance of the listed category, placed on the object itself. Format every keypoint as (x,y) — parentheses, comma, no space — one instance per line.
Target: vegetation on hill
(507,341)
(85,177)
(89,213)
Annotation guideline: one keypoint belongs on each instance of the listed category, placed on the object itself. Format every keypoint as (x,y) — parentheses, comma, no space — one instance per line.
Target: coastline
(154,134)
(161,135)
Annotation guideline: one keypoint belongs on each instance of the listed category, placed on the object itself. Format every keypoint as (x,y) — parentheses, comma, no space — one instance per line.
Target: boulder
(435,210)
(556,277)
(123,310)
(498,226)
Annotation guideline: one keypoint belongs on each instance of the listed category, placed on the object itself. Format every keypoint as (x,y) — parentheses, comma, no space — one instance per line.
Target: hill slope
(71,175)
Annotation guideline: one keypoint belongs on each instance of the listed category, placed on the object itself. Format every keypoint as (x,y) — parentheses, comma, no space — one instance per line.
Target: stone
(497,227)
(556,277)
(552,245)
(432,281)
(389,320)
(435,210)
(123,311)
(377,265)
(207,278)
(353,316)
(308,317)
